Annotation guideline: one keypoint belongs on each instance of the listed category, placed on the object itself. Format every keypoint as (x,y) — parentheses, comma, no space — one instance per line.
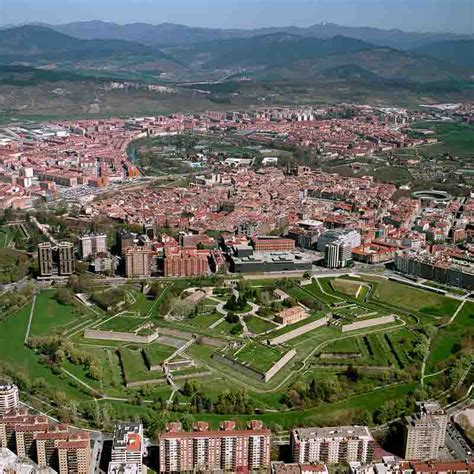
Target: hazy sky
(409,15)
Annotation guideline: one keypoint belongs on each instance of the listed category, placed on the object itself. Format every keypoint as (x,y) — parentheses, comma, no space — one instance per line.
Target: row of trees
(55,351)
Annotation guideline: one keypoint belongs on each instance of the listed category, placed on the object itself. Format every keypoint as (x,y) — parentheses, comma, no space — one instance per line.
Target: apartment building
(332,445)
(7,427)
(47,446)
(127,444)
(66,263)
(442,268)
(9,397)
(75,454)
(26,434)
(56,260)
(92,244)
(270,244)
(228,449)
(186,262)
(138,262)
(351,237)
(425,431)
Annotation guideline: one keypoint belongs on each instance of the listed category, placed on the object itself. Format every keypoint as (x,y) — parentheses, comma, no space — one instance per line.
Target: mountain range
(167,34)
(185,52)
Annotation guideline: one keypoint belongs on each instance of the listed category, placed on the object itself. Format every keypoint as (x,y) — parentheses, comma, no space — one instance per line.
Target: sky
(410,15)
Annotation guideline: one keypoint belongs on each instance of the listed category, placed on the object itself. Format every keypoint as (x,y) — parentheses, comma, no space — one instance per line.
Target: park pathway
(28,329)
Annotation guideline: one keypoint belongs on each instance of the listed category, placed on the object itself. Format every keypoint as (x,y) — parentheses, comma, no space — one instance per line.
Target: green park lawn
(50,316)
(414,299)
(448,338)
(203,321)
(258,356)
(6,236)
(121,324)
(325,414)
(348,287)
(157,352)
(16,355)
(134,367)
(257,325)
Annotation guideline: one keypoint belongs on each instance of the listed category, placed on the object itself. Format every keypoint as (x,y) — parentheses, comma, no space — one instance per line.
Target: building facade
(9,397)
(92,244)
(185,262)
(127,444)
(56,261)
(425,432)
(138,262)
(75,454)
(272,244)
(332,445)
(210,451)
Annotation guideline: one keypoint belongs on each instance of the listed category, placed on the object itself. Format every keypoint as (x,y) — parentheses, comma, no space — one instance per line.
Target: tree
(182,309)
(94,371)
(352,373)
(190,387)
(232,318)
(231,304)
(63,296)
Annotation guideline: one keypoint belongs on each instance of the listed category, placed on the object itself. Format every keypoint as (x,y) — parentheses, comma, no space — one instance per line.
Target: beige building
(425,432)
(26,434)
(75,454)
(340,444)
(138,262)
(45,259)
(47,446)
(291,315)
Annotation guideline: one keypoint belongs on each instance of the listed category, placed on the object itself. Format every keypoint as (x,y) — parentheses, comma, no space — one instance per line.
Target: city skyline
(417,16)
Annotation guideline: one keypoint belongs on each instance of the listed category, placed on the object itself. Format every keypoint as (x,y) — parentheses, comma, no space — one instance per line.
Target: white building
(9,397)
(123,468)
(425,432)
(332,445)
(351,237)
(92,244)
(127,445)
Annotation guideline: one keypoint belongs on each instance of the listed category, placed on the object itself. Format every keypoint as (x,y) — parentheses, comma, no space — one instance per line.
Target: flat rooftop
(306,434)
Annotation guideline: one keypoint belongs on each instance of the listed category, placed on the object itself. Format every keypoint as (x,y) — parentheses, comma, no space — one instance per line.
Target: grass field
(134,367)
(6,236)
(446,342)
(157,353)
(413,299)
(457,139)
(49,315)
(348,287)
(121,324)
(258,356)
(14,353)
(257,325)
(203,321)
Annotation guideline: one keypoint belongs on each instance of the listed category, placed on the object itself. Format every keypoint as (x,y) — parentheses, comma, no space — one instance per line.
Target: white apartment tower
(425,431)
(9,397)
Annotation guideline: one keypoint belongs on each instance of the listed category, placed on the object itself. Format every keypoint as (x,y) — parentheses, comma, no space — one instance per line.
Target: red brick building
(225,450)
(185,262)
(270,244)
